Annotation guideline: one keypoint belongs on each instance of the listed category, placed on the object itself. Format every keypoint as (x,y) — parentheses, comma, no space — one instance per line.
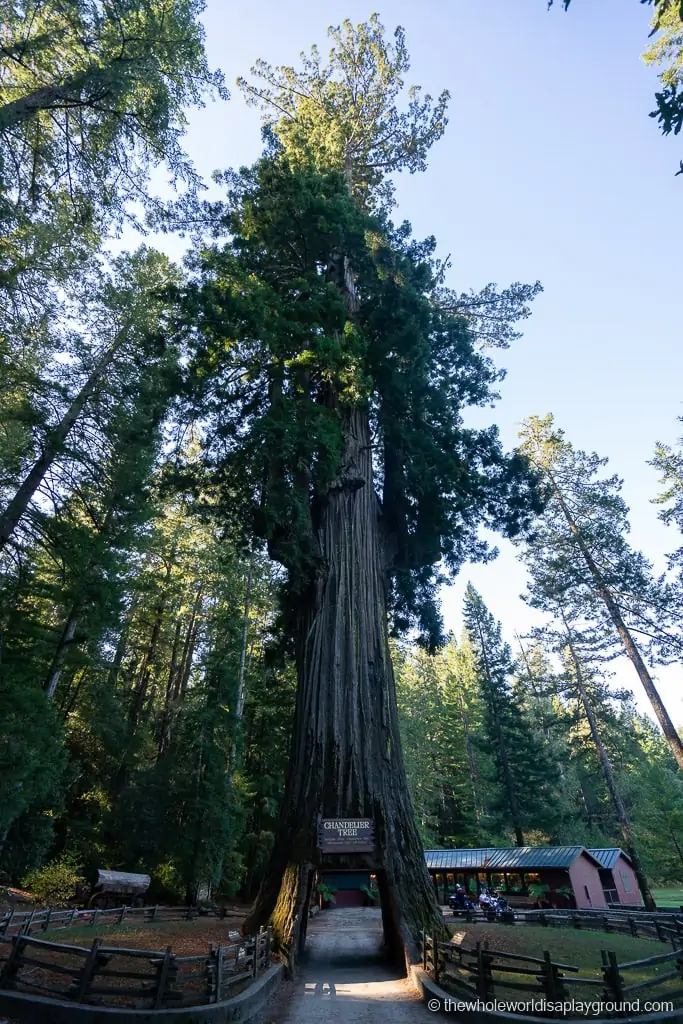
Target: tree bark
(57,665)
(239,703)
(672,737)
(346,758)
(53,446)
(85,89)
(610,781)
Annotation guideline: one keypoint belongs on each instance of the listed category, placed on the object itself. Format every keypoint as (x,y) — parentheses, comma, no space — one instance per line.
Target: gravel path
(344,979)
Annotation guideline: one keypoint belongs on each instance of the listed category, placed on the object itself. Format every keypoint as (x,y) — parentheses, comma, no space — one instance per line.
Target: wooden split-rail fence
(28,922)
(143,979)
(483,973)
(665,928)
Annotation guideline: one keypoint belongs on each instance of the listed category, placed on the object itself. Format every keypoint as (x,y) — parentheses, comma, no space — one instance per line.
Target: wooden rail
(31,921)
(144,979)
(665,928)
(482,973)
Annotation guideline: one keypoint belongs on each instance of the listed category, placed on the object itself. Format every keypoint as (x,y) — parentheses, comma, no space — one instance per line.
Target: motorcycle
(459,902)
(497,904)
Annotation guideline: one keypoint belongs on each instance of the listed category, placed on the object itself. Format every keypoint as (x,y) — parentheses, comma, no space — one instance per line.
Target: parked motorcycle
(459,902)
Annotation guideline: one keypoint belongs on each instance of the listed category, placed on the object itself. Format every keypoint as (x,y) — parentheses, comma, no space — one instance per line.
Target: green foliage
(55,884)
(326,892)
(523,765)
(91,97)
(343,115)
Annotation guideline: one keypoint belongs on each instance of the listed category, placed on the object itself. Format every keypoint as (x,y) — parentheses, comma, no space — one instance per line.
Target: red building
(558,876)
(619,882)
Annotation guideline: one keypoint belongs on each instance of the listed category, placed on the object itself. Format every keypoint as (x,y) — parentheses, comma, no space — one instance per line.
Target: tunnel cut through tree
(331,366)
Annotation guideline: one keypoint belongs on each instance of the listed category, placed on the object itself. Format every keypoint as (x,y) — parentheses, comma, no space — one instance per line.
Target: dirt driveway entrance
(344,978)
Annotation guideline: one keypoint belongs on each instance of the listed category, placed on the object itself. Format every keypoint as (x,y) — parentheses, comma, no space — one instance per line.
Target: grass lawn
(579,948)
(668,897)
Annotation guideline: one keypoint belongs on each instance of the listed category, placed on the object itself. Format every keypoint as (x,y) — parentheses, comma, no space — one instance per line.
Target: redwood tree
(331,375)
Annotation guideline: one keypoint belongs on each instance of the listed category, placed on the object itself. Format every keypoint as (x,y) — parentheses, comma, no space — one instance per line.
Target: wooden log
(31,940)
(72,972)
(658,959)
(650,982)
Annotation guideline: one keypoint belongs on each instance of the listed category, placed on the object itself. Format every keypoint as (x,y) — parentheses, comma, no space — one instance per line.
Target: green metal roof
(457,860)
(608,856)
(515,858)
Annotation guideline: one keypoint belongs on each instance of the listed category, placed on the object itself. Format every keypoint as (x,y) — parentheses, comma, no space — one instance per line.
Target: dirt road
(344,978)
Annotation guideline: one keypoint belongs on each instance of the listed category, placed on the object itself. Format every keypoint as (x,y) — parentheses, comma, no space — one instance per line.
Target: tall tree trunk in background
(610,781)
(346,758)
(471,758)
(57,665)
(145,671)
(183,674)
(165,726)
(54,445)
(239,702)
(672,737)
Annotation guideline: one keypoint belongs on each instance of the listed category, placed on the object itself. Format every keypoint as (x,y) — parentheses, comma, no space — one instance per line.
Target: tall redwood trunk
(239,703)
(346,758)
(610,781)
(672,737)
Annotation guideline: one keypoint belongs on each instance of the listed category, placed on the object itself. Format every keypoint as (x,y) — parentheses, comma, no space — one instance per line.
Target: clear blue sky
(550,169)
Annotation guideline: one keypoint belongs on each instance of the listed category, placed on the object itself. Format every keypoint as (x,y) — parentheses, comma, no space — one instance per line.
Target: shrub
(54,884)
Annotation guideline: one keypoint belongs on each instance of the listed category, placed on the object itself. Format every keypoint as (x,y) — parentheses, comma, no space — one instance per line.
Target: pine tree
(526,775)
(580,546)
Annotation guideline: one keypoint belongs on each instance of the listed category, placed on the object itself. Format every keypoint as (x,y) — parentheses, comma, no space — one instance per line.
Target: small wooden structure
(119,888)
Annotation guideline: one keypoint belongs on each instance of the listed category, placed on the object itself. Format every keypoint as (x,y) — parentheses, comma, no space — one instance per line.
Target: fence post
(658,928)
(12,964)
(219,974)
(614,983)
(46,922)
(164,969)
(543,919)
(423,933)
(633,926)
(7,920)
(606,926)
(122,915)
(435,947)
(73,914)
(254,963)
(576,920)
(85,979)
(95,918)
(553,984)
(27,924)
(484,976)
